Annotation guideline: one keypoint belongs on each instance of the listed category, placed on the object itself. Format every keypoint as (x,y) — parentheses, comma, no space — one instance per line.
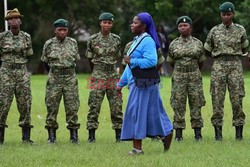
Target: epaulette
(116,36)
(238,25)
(49,41)
(174,41)
(3,34)
(94,36)
(72,39)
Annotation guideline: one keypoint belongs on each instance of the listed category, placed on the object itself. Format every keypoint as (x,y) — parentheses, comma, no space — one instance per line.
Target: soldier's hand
(119,91)
(127,59)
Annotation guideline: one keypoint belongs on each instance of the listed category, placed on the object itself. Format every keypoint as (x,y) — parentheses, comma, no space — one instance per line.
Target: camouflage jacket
(104,49)
(60,54)
(186,51)
(15,49)
(226,40)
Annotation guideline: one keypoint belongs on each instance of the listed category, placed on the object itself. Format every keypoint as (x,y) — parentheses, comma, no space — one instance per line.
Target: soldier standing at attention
(227,43)
(15,49)
(103,51)
(186,55)
(60,54)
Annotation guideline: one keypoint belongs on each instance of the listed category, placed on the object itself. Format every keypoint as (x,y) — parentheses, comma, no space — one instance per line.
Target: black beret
(184,19)
(106,16)
(227,7)
(61,23)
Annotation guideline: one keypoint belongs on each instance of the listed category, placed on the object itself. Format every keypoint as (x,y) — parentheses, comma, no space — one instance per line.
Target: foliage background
(39,16)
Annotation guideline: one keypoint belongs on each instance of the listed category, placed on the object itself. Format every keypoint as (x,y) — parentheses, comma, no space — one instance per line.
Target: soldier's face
(14,23)
(106,25)
(184,29)
(227,18)
(61,32)
(137,27)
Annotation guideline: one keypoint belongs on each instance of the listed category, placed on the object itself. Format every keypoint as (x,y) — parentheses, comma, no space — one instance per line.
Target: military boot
(74,136)
(167,141)
(52,135)
(2,135)
(118,135)
(178,134)
(26,135)
(218,133)
(197,134)
(238,132)
(91,136)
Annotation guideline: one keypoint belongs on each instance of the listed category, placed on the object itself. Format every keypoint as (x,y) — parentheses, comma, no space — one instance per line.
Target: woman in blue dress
(144,115)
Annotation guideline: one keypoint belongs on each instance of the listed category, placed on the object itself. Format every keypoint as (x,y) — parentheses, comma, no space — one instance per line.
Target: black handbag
(144,77)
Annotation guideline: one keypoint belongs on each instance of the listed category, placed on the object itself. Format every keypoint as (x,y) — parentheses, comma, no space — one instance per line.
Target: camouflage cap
(12,13)
(61,23)
(106,16)
(184,19)
(227,7)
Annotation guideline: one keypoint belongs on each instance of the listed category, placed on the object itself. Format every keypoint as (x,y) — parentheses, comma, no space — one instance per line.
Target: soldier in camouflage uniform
(186,55)
(227,43)
(15,49)
(60,54)
(103,51)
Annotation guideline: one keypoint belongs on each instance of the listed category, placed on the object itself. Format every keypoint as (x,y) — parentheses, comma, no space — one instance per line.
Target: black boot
(238,132)
(118,135)
(52,135)
(178,134)
(2,135)
(91,136)
(197,134)
(74,136)
(167,141)
(26,135)
(218,133)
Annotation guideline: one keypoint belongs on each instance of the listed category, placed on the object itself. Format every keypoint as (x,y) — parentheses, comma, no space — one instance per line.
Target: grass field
(105,152)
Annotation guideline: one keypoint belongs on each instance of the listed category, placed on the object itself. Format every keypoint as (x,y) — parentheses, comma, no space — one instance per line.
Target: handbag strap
(136,47)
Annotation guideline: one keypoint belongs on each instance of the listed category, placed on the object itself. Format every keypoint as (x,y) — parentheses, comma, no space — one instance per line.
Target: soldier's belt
(13,66)
(186,69)
(107,67)
(227,57)
(63,71)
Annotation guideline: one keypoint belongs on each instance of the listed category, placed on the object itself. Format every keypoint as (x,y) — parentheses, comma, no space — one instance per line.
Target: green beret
(227,7)
(106,16)
(61,23)
(184,19)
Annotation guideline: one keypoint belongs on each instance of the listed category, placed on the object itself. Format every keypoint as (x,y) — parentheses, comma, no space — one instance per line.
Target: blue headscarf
(148,20)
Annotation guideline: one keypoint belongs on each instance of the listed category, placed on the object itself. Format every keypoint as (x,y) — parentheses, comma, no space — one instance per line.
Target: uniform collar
(104,36)
(224,26)
(186,39)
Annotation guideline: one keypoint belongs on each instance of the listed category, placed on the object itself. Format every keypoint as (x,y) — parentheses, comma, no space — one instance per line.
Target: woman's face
(184,29)
(137,27)
(227,18)
(61,33)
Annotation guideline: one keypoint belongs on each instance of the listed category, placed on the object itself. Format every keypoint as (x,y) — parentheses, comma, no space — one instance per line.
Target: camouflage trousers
(227,74)
(187,85)
(15,82)
(103,82)
(59,86)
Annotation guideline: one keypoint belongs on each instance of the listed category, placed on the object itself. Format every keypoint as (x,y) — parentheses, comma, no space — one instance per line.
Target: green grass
(105,152)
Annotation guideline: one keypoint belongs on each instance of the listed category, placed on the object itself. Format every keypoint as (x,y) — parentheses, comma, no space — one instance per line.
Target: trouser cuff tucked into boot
(26,135)
(91,138)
